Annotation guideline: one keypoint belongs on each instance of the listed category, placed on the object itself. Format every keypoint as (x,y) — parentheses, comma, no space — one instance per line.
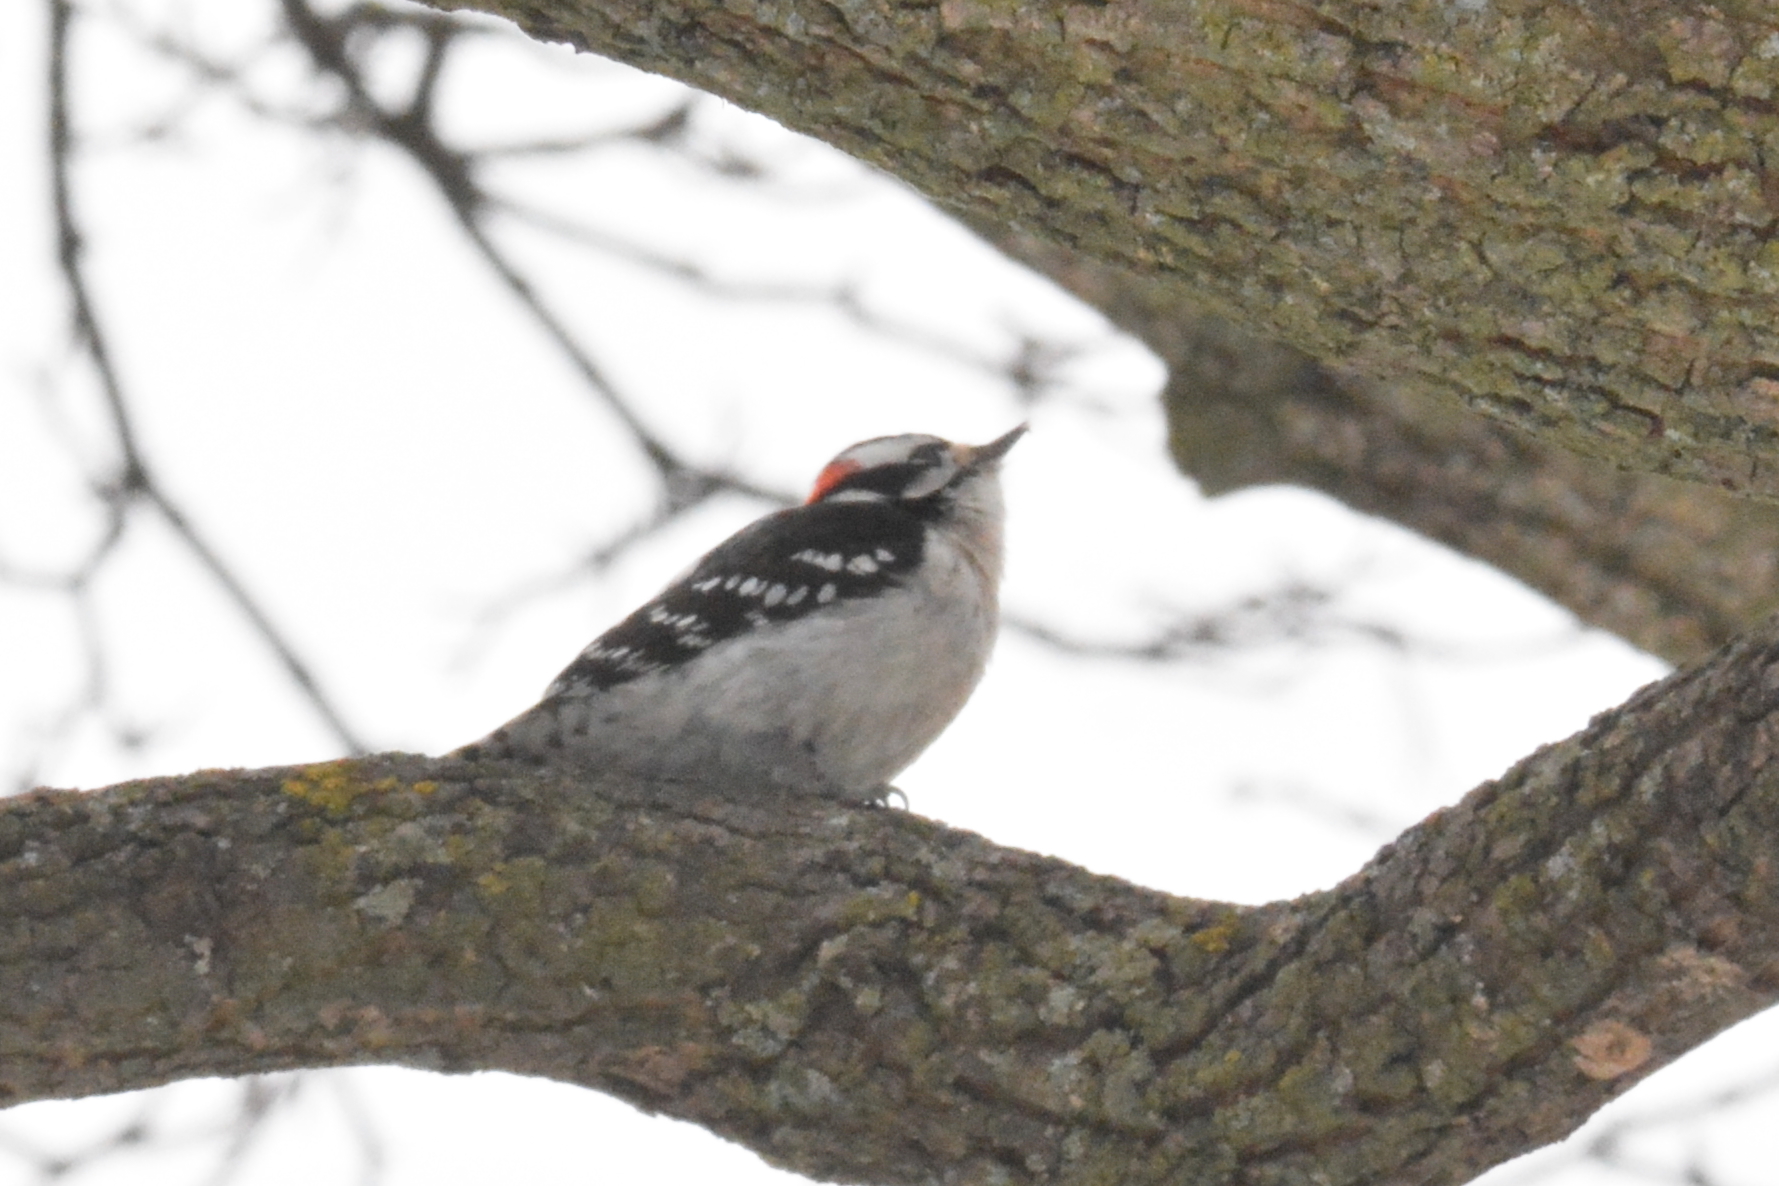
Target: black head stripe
(784,566)
(891,479)
(887,480)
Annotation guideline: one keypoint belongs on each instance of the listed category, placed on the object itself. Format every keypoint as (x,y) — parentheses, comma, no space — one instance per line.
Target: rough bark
(866,995)
(1558,214)
(1676,568)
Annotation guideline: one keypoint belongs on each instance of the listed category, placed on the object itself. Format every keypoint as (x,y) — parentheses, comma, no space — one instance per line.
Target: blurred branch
(1294,612)
(452,172)
(1299,612)
(132,1134)
(1672,567)
(163,1131)
(1610,1146)
(262,1097)
(92,698)
(373,1156)
(1031,362)
(455,174)
(668,129)
(133,484)
(591,564)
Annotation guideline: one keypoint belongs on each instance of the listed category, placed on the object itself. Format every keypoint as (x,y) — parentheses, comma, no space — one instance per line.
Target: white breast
(838,702)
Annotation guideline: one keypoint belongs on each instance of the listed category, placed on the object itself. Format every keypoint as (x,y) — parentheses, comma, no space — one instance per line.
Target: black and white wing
(785,566)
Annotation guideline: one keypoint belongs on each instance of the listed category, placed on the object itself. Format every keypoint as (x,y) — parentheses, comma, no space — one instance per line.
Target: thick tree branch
(1558,215)
(1676,568)
(867,995)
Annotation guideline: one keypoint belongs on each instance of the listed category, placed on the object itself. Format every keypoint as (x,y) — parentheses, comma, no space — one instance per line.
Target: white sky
(325,375)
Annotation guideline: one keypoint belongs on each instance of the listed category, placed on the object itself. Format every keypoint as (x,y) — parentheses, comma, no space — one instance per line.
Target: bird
(820,649)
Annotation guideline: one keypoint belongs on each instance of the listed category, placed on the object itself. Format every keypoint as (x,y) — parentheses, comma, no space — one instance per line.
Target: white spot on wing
(775,594)
(861,564)
(827,594)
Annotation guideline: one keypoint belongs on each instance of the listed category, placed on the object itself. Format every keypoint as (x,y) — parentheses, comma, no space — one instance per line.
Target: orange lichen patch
(1609,1049)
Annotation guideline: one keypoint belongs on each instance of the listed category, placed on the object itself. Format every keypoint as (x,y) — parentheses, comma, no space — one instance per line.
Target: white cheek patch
(936,478)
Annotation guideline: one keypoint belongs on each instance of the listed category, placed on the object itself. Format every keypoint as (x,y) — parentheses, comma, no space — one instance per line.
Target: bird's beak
(980,456)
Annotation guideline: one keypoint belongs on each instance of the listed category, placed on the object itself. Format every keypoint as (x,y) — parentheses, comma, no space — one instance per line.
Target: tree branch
(867,995)
(1676,568)
(1556,215)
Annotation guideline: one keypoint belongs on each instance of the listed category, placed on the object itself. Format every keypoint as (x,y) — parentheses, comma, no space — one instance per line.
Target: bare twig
(134,482)
(262,1096)
(1296,611)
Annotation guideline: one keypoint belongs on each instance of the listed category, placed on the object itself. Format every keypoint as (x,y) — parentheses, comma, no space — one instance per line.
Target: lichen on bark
(864,995)
(1556,215)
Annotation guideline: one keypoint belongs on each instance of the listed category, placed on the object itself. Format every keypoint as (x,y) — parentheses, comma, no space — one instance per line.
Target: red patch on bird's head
(834,473)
